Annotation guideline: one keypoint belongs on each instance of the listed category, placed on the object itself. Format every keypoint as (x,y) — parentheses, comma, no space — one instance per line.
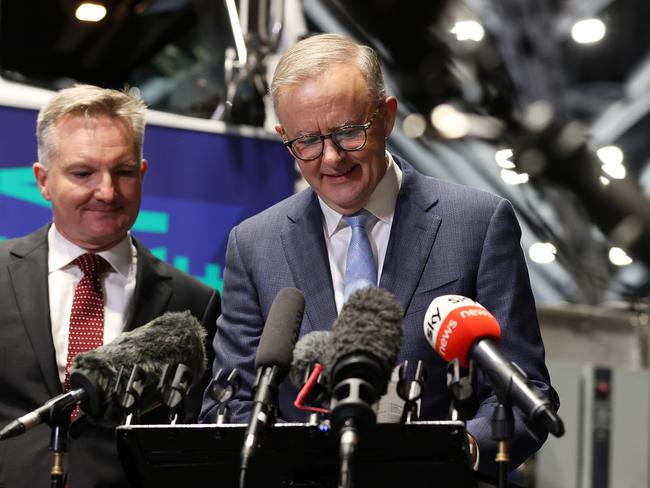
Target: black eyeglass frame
(322,137)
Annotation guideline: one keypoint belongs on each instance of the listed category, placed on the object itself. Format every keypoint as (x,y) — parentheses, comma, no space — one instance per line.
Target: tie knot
(358,219)
(92,264)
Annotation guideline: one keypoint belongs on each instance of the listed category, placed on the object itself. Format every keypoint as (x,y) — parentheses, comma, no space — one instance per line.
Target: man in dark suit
(429,238)
(91,169)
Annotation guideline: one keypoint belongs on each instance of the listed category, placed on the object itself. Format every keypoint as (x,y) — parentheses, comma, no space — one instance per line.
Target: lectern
(420,454)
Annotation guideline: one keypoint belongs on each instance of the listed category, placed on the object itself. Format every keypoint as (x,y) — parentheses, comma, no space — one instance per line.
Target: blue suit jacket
(445,239)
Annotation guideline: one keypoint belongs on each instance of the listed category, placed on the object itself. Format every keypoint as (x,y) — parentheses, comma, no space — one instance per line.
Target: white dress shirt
(63,276)
(338,233)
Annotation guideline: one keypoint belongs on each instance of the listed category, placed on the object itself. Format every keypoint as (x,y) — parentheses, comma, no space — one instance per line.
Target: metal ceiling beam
(622,115)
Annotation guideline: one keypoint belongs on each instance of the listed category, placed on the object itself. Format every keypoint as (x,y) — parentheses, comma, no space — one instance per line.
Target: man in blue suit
(429,238)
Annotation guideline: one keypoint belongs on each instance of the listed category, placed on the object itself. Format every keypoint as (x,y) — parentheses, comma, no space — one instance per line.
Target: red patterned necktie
(86,330)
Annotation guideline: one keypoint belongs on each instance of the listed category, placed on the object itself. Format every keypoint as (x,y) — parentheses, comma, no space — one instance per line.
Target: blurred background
(544,102)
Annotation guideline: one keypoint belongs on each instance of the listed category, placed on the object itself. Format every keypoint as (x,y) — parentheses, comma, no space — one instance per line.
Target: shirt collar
(62,252)
(381,203)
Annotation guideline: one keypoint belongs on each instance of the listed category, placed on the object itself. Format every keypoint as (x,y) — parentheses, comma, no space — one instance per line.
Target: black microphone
(173,338)
(48,412)
(361,354)
(460,328)
(272,361)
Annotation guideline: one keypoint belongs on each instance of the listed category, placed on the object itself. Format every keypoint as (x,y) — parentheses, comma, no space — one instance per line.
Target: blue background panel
(197,187)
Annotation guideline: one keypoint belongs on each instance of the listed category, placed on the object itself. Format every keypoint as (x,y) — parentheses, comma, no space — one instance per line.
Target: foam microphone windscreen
(281,330)
(310,349)
(370,323)
(172,338)
(453,323)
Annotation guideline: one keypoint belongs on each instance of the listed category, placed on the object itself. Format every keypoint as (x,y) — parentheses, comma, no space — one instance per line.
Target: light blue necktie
(360,268)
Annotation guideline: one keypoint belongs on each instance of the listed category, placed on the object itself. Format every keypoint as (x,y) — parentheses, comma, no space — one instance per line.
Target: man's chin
(105,238)
(345,203)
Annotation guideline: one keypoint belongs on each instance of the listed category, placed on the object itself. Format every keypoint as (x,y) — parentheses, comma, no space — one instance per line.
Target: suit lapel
(152,291)
(29,279)
(413,233)
(305,251)
(414,230)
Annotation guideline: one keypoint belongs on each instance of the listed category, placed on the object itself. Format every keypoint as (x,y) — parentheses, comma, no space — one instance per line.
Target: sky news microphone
(173,338)
(272,361)
(460,328)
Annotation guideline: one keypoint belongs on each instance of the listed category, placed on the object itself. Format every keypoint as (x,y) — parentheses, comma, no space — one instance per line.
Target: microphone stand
(58,446)
(173,389)
(59,422)
(349,440)
(503,426)
(410,391)
(463,401)
(222,394)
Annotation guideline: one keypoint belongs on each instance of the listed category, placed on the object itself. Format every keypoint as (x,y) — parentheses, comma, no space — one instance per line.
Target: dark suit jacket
(28,371)
(445,239)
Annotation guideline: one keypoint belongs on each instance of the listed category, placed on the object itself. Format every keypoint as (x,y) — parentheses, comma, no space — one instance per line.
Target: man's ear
(143,168)
(280,131)
(40,173)
(390,106)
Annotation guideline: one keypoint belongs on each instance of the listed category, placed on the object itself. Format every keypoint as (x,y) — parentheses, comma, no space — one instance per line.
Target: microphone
(360,357)
(460,328)
(306,368)
(310,349)
(49,411)
(362,352)
(272,361)
(173,338)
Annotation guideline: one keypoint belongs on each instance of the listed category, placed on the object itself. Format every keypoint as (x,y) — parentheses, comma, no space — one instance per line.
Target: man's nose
(332,154)
(106,188)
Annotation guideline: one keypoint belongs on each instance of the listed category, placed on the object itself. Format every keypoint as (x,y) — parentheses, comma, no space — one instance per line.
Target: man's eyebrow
(345,123)
(75,164)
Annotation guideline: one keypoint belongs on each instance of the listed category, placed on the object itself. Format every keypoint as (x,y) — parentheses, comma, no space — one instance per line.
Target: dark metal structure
(551,100)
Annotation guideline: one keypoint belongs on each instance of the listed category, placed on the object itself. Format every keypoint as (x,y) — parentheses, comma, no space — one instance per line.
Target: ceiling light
(90,12)
(468,30)
(588,31)
(542,252)
(502,158)
(612,159)
(619,257)
(610,154)
(414,125)
(616,171)
(513,178)
(449,122)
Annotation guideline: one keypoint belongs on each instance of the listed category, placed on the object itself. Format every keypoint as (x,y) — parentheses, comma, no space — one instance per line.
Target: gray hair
(312,56)
(88,101)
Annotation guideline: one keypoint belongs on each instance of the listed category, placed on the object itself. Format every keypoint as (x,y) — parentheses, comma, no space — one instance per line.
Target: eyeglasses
(347,138)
